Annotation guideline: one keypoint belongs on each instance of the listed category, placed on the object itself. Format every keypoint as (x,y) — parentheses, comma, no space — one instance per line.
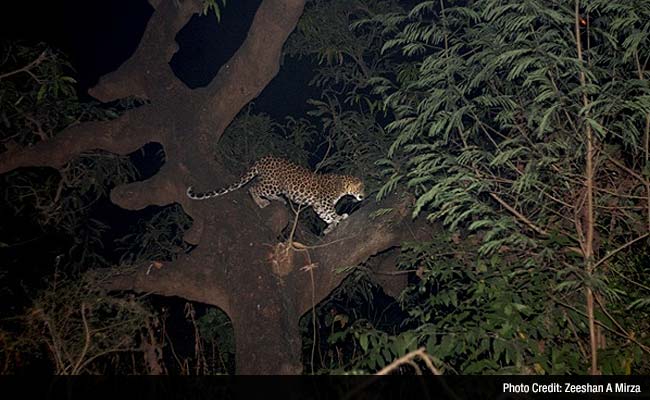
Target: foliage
(534,142)
(251,136)
(531,145)
(352,141)
(216,5)
(351,137)
(71,326)
(201,343)
(348,57)
(217,333)
(356,307)
(37,95)
(78,326)
(37,100)
(63,204)
(158,238)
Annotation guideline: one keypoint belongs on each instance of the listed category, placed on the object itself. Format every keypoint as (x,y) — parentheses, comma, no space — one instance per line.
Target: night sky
(98,36)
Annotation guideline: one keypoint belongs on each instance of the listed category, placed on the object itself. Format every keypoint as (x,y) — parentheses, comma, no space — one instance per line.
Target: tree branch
(190,277)
(363,236)
(122,136)
(146,74)
(253,66)
(162,189)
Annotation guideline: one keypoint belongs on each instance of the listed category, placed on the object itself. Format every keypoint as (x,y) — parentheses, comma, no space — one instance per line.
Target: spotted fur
(278,177)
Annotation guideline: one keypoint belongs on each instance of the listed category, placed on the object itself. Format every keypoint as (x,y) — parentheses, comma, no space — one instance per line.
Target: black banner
(328,387)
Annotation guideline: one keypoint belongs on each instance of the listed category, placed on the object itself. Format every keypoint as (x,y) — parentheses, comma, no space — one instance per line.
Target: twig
(103,353)
(407,359)
(623,335)
(295,222)
(617,272)
(575,334)
(623,330)
(171,347)
(77,366)
(626,169)
(589,184)
(301,246)
(519,215)
(310,267)
(406,271)
(631,242)
(27,68)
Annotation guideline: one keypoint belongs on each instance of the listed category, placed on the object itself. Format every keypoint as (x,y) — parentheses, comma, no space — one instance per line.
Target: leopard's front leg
(328,214)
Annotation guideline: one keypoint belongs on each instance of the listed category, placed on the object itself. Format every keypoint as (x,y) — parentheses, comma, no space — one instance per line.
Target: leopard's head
(354,187)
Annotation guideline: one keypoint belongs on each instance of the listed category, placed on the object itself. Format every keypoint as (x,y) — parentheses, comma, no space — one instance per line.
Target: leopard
(278,177)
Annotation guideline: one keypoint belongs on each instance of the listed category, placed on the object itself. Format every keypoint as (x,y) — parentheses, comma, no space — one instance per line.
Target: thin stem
(623,335)
(77,366)
(519,215)
(27,68)
(626,334)
(407,359)
(589,210)
(575,335)
(617,272)
(631,242)
(646,135)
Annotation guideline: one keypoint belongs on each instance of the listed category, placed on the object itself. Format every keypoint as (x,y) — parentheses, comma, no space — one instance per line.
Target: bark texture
(239,264)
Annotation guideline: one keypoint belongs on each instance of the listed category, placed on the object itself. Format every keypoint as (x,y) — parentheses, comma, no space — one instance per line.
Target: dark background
(98,36)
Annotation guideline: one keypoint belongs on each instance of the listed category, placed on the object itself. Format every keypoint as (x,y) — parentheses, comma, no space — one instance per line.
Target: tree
(240,264)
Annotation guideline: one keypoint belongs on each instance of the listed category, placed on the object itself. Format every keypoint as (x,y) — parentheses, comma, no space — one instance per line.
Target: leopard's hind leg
(256,194)
(276,197)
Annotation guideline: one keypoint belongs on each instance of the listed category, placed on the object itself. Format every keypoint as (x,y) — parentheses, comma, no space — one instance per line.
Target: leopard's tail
(250,174)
